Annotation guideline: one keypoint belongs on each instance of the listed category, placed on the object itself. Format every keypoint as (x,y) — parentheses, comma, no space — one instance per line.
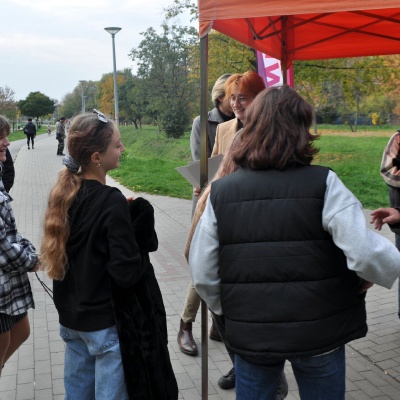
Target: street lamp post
(16,115)
(113,31)
(83,98)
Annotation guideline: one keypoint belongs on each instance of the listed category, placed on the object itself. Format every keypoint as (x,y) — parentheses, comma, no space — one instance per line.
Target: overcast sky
(50,45)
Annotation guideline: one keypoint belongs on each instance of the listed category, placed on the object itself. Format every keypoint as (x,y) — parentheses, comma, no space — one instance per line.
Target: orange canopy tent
(292,30)
(307,29)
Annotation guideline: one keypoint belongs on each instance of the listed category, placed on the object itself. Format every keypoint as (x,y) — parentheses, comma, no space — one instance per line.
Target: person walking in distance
(30,132)
(60,136)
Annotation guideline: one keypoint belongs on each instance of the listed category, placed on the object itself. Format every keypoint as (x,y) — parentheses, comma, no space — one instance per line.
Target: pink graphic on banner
(270,70)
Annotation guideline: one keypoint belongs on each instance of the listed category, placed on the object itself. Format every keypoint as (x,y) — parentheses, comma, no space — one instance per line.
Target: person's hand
(36,267)
(364,286)
(382,216)
(197,192)
(130,198)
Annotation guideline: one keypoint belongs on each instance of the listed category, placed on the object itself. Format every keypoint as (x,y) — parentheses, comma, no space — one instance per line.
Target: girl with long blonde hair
(99,268)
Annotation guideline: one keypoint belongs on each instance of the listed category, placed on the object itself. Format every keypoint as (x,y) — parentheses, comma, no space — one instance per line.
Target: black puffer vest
(286,290)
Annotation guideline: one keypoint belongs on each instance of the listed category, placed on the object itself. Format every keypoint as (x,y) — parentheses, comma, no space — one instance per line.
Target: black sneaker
(227,381)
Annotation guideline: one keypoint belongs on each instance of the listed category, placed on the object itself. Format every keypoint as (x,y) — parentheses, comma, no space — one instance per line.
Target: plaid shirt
(17,256)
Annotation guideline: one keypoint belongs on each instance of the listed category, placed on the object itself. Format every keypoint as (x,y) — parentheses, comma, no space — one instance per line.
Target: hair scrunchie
(71,164)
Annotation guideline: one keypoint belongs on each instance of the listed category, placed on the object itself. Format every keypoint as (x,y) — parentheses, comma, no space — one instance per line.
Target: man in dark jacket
(30,132)
(60,136)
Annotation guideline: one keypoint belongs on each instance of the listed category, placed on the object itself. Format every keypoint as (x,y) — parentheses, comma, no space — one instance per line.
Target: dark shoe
(186,342)
(214,334)
(282,388)
(29,148)
(227,381)
(60,154)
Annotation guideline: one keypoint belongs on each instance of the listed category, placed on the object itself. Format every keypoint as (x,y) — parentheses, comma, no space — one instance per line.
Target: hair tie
(71,163)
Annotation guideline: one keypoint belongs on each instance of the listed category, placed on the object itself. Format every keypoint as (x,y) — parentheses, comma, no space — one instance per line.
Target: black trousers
(29,138)
(61,145)
(219,323)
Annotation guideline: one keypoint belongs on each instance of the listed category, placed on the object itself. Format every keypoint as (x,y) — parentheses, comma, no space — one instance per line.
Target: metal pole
(83,101)
(113,31)
(115,83)
(203,182)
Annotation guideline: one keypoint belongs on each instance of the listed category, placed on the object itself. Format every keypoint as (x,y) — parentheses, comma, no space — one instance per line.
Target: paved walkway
(36,370)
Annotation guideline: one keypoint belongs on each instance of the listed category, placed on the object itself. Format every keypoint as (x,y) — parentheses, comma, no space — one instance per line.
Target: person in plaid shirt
(17,257)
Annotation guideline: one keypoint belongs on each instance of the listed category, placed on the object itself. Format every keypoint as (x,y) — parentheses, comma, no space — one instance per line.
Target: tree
(164,67)
(132,105)
(72,102)
(345,85)
(37,104)
(7,103)
(105,94)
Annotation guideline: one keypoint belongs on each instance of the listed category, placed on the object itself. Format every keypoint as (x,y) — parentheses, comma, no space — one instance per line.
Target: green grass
(149,162)
(17,135)
(356,160)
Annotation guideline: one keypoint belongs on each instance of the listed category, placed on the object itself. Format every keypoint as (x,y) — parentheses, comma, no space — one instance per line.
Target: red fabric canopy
(307,29)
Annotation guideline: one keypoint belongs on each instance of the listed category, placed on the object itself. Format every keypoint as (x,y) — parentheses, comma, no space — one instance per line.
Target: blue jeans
(93,365)
(318,378)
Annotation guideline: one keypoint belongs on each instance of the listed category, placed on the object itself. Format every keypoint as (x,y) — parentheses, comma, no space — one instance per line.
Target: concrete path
(36,370)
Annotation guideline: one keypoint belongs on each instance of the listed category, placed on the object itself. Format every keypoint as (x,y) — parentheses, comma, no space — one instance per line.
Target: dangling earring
(98,165)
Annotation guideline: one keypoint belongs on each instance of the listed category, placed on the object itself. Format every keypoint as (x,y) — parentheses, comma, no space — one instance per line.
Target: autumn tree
(105,94)
(37,105)
(72,102)
(7,102)
(346,85)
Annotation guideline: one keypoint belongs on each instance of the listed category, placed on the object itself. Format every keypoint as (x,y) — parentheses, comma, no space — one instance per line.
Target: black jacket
(286,290)
(30,128)
(141,320)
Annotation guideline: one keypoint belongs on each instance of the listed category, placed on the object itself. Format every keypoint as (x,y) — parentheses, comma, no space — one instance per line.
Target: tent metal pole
(203,183)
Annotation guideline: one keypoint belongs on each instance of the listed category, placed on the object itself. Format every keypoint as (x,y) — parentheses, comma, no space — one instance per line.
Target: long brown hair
(87,135)
(276,131)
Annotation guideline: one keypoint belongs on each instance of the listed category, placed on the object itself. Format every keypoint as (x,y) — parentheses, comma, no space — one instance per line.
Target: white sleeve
(203,259)
(372,256)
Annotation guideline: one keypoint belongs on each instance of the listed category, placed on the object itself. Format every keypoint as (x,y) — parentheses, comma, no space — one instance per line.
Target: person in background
(48,129)
(221,112)
(60,136)
(18,256)
(282,251)
(30,132)
(111,314)
(240,89)
(390,172)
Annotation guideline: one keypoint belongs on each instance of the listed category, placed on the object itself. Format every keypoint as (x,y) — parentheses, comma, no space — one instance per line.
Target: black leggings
(30,138)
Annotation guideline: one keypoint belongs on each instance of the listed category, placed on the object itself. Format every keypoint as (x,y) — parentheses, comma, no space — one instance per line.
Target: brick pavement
(35,371)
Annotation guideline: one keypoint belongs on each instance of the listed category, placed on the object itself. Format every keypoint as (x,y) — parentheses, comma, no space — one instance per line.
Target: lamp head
(112,30)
